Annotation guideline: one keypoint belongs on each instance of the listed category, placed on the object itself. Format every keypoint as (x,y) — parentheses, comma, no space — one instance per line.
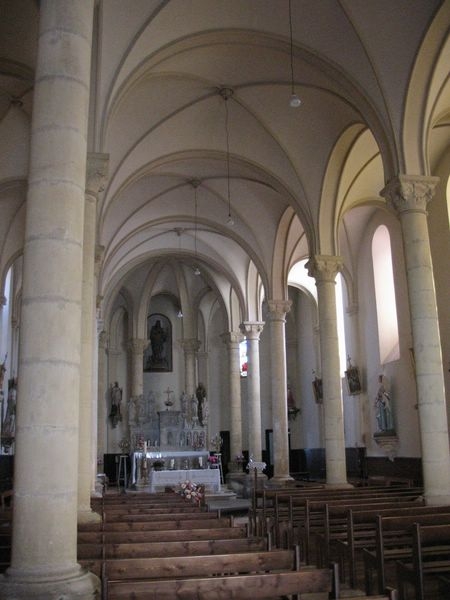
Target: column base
(339,486)
(235,467)
(281,480)
(249,483)
(237,482)
(73,584)
(437,500)
(88,516)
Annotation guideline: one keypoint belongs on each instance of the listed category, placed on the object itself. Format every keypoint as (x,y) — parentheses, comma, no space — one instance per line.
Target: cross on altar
(168,402)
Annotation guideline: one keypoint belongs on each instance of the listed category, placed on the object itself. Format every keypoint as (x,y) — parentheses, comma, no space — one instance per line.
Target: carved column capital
(191,345)
(96,172)
(324,267)
(137,345)
(352,309)
(410,193)
(278,309)
(252,329)
(231,338)
(99,255)
(103,340)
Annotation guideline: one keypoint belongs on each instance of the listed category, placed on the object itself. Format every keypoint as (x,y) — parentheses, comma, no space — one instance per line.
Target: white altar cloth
(208,477)
(178,455)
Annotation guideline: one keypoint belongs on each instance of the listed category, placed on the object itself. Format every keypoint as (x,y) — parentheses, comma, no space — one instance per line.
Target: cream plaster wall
(438,223)
(398,372)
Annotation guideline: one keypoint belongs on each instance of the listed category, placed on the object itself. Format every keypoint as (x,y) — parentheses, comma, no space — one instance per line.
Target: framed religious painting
(353,381)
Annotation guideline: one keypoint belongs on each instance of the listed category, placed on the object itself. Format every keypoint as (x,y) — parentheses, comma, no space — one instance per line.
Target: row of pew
(385,539)
(160,546)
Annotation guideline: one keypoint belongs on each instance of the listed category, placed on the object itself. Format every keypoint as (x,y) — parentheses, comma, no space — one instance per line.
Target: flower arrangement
(239,458)
(213,460)
(192,491)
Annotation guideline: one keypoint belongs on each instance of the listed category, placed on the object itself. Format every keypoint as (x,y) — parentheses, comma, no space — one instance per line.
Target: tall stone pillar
(232,340)
(44,544)
(190,348)
(277,321)
(95,177)
(137,347)
(409,196)
(102,386)
(252,331)
(324,269)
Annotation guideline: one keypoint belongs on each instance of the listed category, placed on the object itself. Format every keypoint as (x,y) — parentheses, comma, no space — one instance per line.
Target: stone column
(3,346)
(252,331)
(137,347)
(95,177)
(277,321)
(4,389)
(409,196)
(232,340)
(102,386)
(100,378)
(190,348)
(44,544)
(324,269)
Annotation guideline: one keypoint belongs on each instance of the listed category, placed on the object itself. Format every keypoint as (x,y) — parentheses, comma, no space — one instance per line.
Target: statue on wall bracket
(385,436)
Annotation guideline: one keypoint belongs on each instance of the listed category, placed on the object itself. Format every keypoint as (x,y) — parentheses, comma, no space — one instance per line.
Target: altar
(210,478)
(169,446)
(183,461)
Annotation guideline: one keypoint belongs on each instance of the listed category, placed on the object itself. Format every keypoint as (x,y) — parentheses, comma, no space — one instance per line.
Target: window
(385,296)
(243,358)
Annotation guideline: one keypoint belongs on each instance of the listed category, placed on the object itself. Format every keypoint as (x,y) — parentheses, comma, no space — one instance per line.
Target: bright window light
(385,296)
(243,358)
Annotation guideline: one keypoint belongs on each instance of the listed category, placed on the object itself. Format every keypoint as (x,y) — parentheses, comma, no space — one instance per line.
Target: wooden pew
(332,522)
(307,516)
(129,511)
(254,586)
(292,505)
(393,541)
(163,516)
(361,533)
(190,566)
(139,526)
(127,537)
(95,554)
(430,557)
(326,521)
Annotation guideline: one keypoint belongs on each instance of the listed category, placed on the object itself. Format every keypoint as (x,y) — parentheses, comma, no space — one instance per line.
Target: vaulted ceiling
(190,99)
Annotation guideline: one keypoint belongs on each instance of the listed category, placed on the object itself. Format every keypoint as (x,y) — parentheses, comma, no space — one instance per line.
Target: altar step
(223,495)
(226,500)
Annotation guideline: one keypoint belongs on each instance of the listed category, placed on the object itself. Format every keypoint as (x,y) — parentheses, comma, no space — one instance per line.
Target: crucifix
(168,402)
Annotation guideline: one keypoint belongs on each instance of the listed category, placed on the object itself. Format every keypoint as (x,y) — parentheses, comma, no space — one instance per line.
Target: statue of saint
(201,399)
(9,422)
(383,406)
(158,337)
(194,409)
(2,372)
(116,398)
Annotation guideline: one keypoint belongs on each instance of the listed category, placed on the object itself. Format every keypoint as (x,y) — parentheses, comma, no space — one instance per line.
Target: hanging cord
(228,157)
(291,48)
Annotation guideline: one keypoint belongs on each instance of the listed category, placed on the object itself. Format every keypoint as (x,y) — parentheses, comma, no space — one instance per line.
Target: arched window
(243,358)
(385,295)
